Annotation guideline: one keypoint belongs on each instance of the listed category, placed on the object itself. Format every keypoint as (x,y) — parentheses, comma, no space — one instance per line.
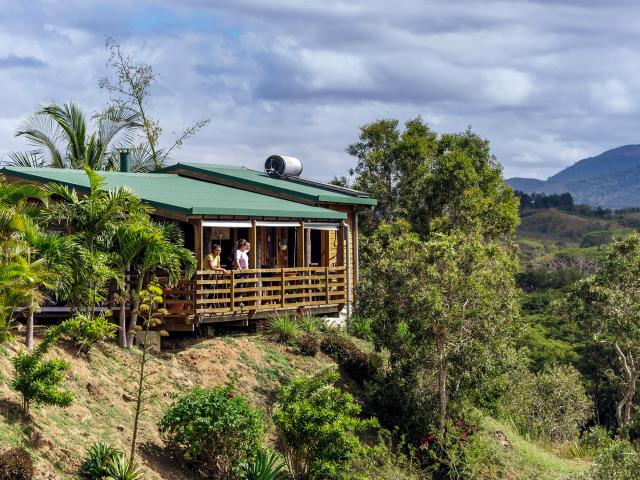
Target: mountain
(609,180)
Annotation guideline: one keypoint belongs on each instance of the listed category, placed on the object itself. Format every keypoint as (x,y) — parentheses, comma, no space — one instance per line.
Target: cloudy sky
(547,82)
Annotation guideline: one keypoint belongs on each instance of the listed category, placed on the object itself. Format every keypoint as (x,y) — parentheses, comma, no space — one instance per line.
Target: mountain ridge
(608,180)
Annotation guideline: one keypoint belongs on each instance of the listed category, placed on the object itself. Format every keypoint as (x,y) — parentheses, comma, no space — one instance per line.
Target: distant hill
(609,180)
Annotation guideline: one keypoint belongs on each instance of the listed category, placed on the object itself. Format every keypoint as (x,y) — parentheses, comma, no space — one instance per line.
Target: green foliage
(16,464)
(308,344)
(618,460)
(98,460)
(122,468)
(283,329)
(360,327)
(39,380)
(317,426)
(85,333)
(550,405)
(265,466)
(310,324)
(215,429)
(360,365)
(438,183)
(447,310)
(386,460)
(607,306)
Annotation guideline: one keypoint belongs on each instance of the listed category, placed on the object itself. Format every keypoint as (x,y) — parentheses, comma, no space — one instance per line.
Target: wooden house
(303,235)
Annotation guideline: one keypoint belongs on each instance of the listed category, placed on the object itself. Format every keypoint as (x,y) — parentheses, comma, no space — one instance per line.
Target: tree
(59,135)
(317,425)
(130,89)
(607,305)
(39,380)
(444,308)
(438,183)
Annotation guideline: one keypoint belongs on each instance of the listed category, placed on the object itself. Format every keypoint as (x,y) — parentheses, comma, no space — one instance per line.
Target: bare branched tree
(129,85)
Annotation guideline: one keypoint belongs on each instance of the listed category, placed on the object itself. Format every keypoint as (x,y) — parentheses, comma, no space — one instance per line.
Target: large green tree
(439,183)
(607,305)
(443,308)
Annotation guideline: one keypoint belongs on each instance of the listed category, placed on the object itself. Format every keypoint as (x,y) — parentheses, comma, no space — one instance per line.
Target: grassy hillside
(103,407)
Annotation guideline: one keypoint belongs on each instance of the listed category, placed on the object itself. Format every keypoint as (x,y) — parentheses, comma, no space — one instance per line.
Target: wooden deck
(257,293)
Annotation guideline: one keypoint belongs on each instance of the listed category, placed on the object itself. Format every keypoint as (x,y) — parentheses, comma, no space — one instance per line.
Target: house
(303,233)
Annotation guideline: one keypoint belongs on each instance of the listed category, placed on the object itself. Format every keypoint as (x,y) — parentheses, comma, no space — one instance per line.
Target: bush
(99,457)
(360,365)
(85,333)
(283,329)
(122,469)
(552,404)
(266,466)
(16,464)
(308,344)
(39,380)
(385,460)
(215,429)
(310,324)
(360,327)
(317,426)
(616,461)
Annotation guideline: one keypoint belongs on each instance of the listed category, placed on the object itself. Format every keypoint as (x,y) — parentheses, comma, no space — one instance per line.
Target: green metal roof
(267,184)
(183,194)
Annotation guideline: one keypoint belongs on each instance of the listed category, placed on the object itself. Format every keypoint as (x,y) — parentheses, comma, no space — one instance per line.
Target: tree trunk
(122,333)
(442,385)
(625,405)
(29,339)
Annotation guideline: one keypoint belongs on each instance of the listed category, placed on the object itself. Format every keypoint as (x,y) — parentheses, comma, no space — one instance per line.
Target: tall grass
(283,329)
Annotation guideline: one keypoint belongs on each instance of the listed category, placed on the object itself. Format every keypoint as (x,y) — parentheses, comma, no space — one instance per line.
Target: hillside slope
(103,409)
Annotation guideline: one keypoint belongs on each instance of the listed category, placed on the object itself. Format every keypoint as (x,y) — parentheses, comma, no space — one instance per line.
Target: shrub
(317,426)
(385,460)
(310,324)
(123,469)
(215,429)
(99,457)
(308,344)
(551,404)
(360,327)
(283,329)
(39,380)
(616,461)
(85,333)
(266,466)
(16,464)
(360,365)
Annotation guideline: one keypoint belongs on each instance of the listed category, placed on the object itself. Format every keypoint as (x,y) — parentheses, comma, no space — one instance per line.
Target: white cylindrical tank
(283,166)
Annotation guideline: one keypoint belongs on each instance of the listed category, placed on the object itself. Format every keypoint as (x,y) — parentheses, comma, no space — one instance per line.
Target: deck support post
(300,245)
(197,240)
(254,244)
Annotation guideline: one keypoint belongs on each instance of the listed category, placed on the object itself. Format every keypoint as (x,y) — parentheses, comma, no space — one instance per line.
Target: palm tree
(162,251)
(60,139)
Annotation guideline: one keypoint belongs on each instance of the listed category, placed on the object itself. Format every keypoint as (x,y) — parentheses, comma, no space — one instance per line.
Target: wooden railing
(268,289)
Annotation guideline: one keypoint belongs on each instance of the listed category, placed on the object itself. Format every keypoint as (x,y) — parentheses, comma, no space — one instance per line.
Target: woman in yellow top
(212,261)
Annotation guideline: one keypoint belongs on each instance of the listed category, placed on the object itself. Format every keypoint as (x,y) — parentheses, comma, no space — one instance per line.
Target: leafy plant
(122,468)
(98,459)
(308,344)
(283,329)
(215,429)
(360,327)
(85,333)
(317,426)
(360,365)
(39,380)
(265,466)
(310,324)
(616,461)
(16,464)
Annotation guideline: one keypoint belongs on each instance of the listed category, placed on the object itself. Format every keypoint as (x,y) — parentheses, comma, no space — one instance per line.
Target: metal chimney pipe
(125,162)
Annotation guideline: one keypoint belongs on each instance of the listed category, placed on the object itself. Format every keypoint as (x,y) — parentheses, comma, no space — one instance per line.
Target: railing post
(326,284)
(233,293)
(282,299)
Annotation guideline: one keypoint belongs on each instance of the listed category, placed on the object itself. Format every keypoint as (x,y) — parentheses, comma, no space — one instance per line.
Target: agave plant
(266,466)
(99,457)
(123,469)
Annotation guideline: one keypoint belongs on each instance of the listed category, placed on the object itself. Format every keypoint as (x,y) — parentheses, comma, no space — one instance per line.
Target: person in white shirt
(241,261)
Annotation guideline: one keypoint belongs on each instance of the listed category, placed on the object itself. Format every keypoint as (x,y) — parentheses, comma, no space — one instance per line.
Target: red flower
(164,394)
(231,394)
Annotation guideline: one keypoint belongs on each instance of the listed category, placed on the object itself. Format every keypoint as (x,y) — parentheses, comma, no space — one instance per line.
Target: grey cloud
(15,61)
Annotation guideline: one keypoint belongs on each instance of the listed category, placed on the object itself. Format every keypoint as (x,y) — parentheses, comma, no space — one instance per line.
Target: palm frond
(41,131)
(72,121)
(32,158)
